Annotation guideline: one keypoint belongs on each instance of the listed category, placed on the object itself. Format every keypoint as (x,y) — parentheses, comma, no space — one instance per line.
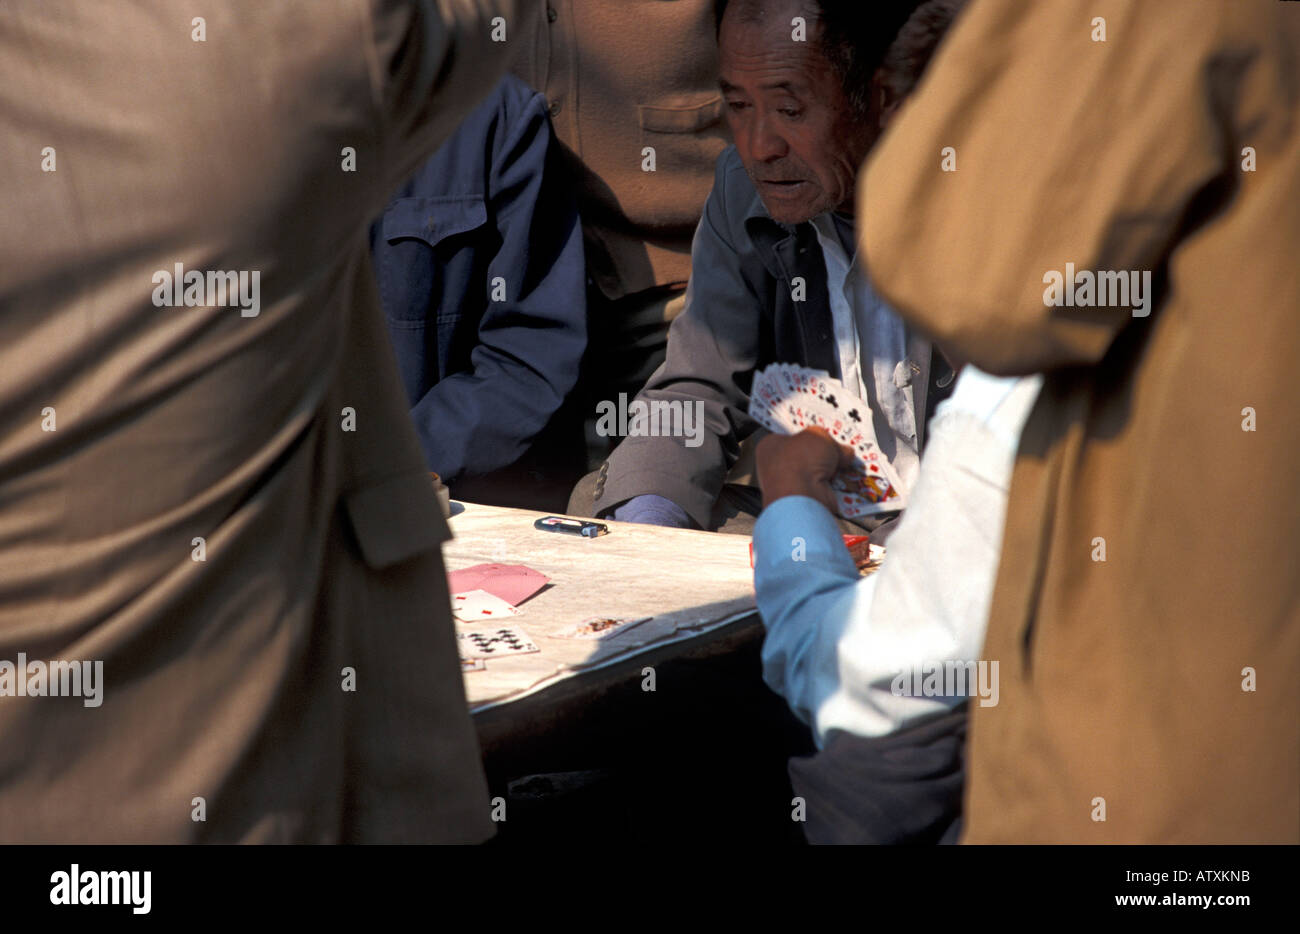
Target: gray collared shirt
(872,343)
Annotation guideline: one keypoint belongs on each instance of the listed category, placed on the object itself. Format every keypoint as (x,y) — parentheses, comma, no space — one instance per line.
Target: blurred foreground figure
(211,488)
(1121,212)
(632,93)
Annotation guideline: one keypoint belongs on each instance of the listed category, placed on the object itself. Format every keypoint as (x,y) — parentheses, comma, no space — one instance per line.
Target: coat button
(904,371)
(555,108)
(551,14)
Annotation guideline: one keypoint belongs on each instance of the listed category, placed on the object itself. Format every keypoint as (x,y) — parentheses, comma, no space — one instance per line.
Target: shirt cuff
(651,509)
(800,523)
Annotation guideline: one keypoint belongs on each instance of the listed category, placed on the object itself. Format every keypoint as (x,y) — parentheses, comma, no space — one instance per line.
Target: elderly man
(774,275)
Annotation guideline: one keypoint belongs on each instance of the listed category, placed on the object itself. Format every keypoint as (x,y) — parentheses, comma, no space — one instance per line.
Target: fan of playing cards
(786,398)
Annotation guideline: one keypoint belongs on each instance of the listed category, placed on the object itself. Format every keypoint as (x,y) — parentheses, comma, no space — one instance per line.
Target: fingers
(844,453)
(801,464)
(846,456)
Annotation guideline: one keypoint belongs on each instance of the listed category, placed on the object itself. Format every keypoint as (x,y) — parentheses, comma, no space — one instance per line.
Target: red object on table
(849,542)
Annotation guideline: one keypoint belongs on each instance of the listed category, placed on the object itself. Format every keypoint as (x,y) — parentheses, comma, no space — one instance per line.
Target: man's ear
(884,102)
(887,112)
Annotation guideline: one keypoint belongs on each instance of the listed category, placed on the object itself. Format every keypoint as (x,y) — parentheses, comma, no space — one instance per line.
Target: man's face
(791,121)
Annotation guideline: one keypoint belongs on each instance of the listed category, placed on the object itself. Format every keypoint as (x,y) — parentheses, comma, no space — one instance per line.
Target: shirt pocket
(687,140)
(694,118)
(428,261)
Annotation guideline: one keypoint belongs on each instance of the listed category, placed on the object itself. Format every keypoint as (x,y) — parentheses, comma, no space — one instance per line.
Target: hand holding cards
(786,399)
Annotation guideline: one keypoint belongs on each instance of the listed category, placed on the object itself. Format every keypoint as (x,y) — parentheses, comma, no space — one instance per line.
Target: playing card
(830,394)
(476,606)
(494,643)
(786,399)
(513,583)
(867,489)
(787,380)
(472,664)
(765,392)
(600,627)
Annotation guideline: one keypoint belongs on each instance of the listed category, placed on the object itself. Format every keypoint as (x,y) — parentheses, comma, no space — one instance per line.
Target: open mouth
(784,188)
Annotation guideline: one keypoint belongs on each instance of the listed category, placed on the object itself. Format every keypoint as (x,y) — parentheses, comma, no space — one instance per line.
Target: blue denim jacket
(480,267)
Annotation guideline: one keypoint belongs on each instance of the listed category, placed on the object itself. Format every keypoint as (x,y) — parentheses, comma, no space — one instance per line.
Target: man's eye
(736,105)
(790,112)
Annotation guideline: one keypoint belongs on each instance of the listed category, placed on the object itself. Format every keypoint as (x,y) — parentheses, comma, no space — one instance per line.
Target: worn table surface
(689,582)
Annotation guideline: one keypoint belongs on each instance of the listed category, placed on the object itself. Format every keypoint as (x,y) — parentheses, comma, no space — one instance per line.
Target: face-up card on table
(601,627)
(513,583)
(494,643)
(477,606)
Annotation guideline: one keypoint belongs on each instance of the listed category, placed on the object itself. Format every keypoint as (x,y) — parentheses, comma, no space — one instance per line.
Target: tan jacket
(229,510)
(1122,680)
(623,75)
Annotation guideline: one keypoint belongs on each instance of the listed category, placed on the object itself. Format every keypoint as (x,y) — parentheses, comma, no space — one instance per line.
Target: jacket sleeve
(1067,150)
(530,344)
(432,62)
(713,348)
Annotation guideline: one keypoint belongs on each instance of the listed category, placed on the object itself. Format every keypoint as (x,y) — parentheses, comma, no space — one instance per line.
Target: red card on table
(513,583)
(856,544)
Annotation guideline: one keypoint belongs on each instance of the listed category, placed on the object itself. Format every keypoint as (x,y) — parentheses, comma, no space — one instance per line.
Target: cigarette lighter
(571,526)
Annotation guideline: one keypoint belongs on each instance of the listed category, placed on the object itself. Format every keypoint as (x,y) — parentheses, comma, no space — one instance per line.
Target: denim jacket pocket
(433,220)
(426,249)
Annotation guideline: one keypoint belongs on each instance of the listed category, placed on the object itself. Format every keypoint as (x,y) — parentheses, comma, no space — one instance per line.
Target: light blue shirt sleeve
(838,644)
(807,589)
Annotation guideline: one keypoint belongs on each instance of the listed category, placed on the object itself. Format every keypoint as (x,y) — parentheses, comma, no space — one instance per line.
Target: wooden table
(572,738)
(689,584)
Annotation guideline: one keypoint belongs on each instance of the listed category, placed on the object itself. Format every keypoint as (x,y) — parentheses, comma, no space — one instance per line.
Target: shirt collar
(829,235)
